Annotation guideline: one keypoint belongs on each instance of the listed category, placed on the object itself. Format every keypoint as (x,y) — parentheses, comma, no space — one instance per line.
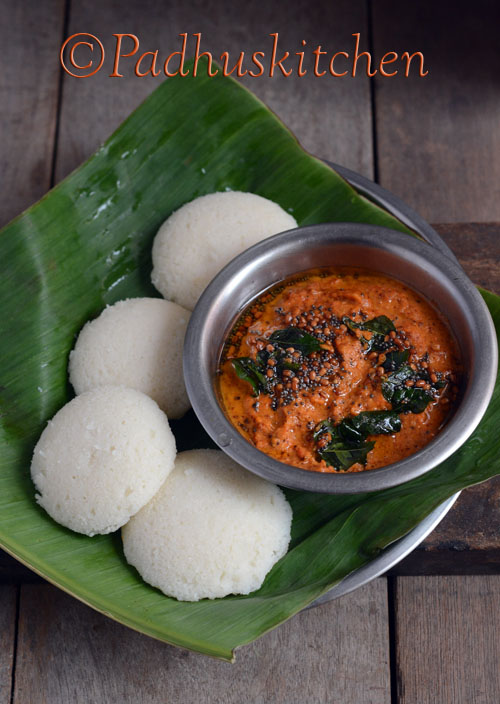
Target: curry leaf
(376,343)
(263,356)
(347,443)
(325,426)
(396,379)
(342,457)
(405,399)
(254,371)
(395,360)
(381,325)
(298,339)
(356,428)
(410,399)
(247,369)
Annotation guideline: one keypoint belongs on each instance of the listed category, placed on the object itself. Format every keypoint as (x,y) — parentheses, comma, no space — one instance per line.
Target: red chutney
(344,377)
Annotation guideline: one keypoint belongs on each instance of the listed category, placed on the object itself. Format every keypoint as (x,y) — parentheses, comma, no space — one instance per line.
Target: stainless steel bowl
(401,256)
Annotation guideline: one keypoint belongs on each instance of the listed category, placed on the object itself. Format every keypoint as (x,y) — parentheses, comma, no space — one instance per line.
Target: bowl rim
(203,397)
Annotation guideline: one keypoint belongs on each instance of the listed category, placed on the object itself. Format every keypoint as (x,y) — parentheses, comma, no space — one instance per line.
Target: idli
(101,458)
(200,238)
(136,343)
(213,529)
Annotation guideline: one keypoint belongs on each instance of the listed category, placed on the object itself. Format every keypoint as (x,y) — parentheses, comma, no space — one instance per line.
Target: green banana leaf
(86,244)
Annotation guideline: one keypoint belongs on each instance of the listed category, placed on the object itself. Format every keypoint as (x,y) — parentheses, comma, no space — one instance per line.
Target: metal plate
(401,548)
(395,206)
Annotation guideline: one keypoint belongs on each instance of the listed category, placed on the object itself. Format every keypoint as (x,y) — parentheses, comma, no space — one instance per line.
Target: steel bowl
(409,259)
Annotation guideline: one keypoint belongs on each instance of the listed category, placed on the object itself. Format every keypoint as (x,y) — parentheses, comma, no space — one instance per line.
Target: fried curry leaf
(381,325)
(281,360)
(254,371)
(248,370)
(356,428)
(395,360)
(396,379)
(342,457)
(325,426)
(296,338)
(405,399)
(348,444)
(410,399)
(376,343)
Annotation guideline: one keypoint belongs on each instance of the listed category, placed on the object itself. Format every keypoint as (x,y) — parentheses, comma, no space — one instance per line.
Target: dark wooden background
(430,632)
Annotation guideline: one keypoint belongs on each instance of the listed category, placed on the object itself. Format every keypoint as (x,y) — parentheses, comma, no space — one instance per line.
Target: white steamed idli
(213,529)
(200,238)
(136,343)
(101,458)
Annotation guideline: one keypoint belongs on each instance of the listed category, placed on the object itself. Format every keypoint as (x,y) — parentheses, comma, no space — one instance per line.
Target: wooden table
(430,632)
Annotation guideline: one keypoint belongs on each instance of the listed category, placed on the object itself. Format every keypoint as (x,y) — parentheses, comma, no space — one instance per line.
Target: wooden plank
(13,572)
(438,137)
(336,652)
(477,246)
(447,640)
(7,636)
(467,541)
(30,36)
(331,117)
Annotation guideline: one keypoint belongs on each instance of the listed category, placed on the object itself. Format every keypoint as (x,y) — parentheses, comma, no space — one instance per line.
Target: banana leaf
(86,244)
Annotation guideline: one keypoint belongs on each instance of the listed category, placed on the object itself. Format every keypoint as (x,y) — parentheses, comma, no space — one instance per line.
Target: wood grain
(447,644)
(13,572)
(7,630)
(437,143)
(335,653)
(29,86)
(438,137)
(477,247)
(330,117)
